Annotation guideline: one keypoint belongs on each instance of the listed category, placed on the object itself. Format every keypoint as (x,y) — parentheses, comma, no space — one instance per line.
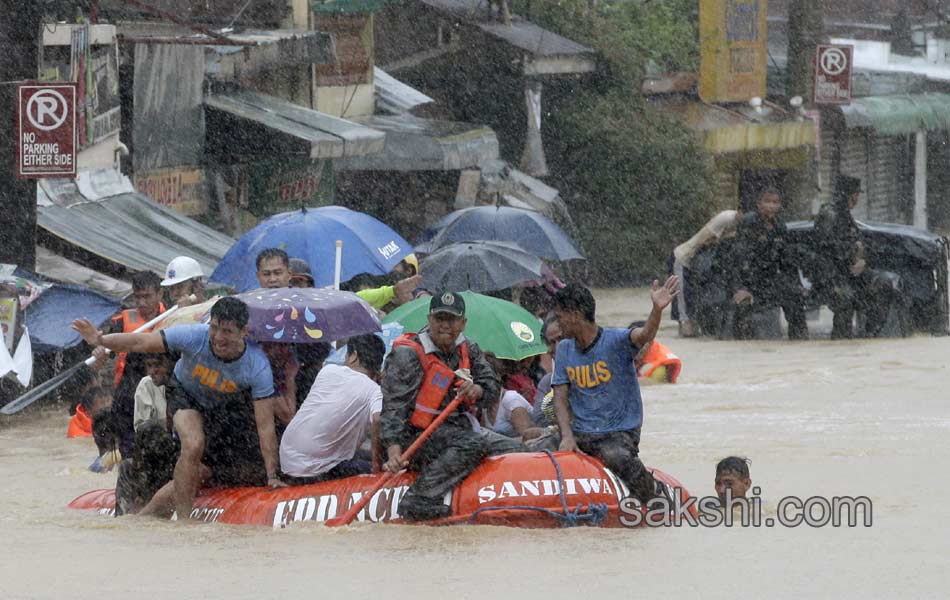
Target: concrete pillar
(920,180)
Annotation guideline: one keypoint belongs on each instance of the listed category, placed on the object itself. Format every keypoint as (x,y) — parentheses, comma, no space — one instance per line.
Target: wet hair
(162,356)
(360,281)
(105,430)
(312,354)
(766,191)
(75,386)
(369,349)
(144,280)
(845,187)
(269,253)
(734,464)
(230,309)
(155,454)
(576,297)
(534,299)
(88,399)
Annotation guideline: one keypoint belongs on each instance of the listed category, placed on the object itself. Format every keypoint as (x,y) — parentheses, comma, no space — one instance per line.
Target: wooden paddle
(406,455)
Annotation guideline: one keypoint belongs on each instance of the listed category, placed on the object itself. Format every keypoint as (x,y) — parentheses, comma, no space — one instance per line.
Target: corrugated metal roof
(394,96)
(536,40)
(414,144)
(128,229)
(58,268)
(326,136)
(520,33)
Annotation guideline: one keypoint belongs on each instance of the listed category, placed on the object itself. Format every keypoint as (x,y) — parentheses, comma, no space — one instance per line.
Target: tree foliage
(636,181)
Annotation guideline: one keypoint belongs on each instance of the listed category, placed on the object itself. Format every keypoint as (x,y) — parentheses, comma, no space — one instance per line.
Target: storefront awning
(725,131)
(414,144)
(899,115)
(127,229)
(263,125)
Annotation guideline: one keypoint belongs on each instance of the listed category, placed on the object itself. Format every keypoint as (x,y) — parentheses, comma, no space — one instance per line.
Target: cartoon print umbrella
(497,326)
(307,315)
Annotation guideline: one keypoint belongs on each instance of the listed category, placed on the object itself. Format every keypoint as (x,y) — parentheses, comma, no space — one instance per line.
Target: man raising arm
(596,396)
(217,372)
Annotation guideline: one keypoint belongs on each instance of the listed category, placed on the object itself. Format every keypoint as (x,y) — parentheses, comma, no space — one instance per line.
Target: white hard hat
(180,270)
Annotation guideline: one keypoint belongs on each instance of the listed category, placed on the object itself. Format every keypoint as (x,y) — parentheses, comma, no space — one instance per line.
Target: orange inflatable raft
(521,490)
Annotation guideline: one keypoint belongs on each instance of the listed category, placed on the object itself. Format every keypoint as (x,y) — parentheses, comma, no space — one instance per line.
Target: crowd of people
(195,405)
(763,268)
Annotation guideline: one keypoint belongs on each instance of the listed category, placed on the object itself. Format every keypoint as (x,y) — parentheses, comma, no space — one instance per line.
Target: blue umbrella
(369,246)
(532,231)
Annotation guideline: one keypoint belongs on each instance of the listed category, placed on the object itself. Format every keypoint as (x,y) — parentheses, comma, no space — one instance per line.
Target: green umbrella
(497,326)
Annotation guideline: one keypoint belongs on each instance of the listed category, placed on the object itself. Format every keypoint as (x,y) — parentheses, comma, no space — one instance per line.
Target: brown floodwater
(861,418)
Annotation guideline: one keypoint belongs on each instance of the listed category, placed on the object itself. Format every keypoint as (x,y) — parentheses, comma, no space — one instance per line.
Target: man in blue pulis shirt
(596,395)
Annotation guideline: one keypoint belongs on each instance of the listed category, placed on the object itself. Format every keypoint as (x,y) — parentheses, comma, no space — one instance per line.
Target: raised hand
(88,331)
(663,294)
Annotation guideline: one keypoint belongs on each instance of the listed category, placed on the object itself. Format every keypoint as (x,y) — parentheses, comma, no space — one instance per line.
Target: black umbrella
(530,230)
(478,266)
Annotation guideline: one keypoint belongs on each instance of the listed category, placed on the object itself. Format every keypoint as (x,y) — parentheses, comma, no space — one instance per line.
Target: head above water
(446,320)
(229,317)
(273,268)
(105,430)
(95,399)
(732,473)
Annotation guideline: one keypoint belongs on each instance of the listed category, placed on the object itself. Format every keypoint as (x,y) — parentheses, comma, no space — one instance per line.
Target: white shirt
(149,403)
(510,400)
(332,423)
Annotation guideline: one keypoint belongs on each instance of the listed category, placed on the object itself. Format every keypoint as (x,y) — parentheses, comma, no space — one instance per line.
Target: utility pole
(806,29)
(19,45)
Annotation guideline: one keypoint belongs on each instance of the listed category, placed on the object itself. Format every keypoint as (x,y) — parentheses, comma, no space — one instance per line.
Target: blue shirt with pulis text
(213,382)
(604,394)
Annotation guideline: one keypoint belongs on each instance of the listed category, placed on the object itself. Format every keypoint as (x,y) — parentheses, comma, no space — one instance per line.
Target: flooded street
(863,418)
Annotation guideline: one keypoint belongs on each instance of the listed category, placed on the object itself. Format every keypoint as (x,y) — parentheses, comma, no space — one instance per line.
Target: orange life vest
(80,425)
(437,379)
(131,320)
(661,356)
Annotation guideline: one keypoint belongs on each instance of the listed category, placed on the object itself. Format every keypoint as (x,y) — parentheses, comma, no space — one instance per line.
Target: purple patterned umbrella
(307,315)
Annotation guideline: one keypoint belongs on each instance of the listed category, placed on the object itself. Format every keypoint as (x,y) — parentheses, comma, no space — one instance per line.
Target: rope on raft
(592,514)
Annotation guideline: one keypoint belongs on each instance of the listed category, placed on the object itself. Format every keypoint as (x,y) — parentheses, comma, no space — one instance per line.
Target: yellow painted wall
(733,37)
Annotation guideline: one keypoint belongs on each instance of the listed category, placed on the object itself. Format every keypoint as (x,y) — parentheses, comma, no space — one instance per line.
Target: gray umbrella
(478,266)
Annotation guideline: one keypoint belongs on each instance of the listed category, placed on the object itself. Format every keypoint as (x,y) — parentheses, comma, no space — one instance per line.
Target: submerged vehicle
(918,258)
(532,490)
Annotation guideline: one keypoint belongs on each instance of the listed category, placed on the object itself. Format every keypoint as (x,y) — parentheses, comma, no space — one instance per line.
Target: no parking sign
(833,67)
(46,130)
